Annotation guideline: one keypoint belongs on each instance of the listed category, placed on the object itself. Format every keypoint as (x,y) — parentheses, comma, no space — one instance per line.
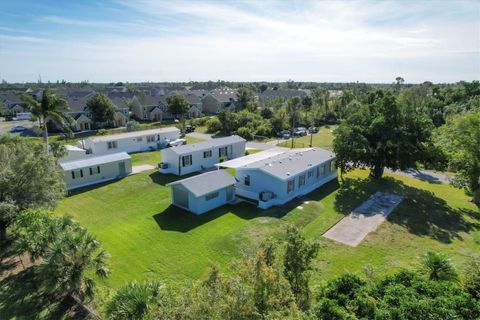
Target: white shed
(195,157)
(274,178)
(96,169)
(135,141)
(74,153)
(203,192)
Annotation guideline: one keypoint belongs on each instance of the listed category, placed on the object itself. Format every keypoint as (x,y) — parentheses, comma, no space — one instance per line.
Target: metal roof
(252,158)
(133,134)
(289,164)
(93,161)
(205,145)
(206,183)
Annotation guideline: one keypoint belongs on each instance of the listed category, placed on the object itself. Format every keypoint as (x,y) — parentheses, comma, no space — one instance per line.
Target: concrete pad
(141,168)
(366,218)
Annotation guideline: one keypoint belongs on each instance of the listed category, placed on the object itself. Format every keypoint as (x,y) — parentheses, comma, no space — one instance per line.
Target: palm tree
(68,260)
(133,300)
(49,107)
(439,267)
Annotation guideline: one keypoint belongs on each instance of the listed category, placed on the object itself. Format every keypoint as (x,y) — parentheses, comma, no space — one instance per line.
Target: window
(211,196)
(91,171)
(150,138)
(98,169)
(301,181)
(207,154)
(158,137)
(187,160)
(81,173)
(290,185)
(332,166)
(73,174)
(223,151)
(112,145)
(310,173)
(320,171)
(246,180)
(139,139)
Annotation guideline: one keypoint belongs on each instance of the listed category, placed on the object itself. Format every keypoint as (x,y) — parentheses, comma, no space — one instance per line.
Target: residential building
(195,157)
(95,169)
(282,93)
(274,177)
(218,100)
(203,192)
(135,141)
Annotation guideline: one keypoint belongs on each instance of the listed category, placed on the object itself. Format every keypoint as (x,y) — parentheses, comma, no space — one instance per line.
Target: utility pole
(293,125)
(311,138)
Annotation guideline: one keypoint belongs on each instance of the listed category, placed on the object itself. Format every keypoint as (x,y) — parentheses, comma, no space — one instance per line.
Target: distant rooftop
(133,134)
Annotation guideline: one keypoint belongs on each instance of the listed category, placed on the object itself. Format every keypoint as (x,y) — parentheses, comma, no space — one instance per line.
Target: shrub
(102,132)
(132,125)
(214,125)
(245,133)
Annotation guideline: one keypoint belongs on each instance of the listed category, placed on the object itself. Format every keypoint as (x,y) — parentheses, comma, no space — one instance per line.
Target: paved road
(5,126)
(424,175)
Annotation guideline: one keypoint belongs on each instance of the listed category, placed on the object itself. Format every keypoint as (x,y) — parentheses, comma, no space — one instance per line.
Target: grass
(148,238)
(322,139)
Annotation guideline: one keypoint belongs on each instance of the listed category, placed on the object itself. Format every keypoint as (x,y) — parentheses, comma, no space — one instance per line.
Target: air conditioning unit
(266,195)
(163,165)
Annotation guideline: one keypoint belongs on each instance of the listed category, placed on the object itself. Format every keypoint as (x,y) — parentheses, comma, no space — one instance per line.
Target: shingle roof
(206,183)
(289,164)
(133,134)
(205,145)
(224,95)
(93,161)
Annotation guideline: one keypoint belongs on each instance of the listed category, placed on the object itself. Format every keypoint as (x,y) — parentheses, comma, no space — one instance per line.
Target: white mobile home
(135,141)
(74,153)
(96,169)
(203,192)
(195,157)
(275,179)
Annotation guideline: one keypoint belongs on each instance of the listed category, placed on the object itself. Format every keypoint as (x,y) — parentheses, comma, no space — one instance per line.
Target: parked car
(285,134)
(189,128)
(299,132)
(17,129)
(9,118)
(313,130)
(177,142)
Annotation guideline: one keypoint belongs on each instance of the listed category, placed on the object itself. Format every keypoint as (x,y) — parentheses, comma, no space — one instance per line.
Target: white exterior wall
(74,155)
(131,144)
(108,171)
(199,205)
(199,163)
(262,182)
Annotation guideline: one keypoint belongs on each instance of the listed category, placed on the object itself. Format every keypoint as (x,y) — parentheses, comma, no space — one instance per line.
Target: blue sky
(141,40)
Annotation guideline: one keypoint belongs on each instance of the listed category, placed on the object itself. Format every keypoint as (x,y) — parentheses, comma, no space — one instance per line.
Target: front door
(121,168)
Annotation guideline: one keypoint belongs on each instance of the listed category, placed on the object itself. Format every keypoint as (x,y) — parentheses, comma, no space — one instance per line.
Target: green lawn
(322,139)
(148,238)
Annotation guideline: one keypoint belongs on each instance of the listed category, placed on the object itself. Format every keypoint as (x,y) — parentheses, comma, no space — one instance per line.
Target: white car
(177,142)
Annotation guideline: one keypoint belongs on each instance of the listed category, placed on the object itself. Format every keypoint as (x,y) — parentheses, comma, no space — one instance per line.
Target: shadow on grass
(421,212)
(93,187)
(165,178)
(176,219)
(22,298)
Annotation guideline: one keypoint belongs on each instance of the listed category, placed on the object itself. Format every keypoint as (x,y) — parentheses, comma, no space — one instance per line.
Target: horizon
(240,41)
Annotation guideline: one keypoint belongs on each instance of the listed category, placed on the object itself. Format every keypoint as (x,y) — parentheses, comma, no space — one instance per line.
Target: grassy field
(322,139)
(148,238)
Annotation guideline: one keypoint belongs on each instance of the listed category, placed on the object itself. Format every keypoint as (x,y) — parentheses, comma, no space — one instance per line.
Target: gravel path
(424,175)
(141,168)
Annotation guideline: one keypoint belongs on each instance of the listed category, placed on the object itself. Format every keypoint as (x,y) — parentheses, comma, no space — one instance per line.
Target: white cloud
(320,41)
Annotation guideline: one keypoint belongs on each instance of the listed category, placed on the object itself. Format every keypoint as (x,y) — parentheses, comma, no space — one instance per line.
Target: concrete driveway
(366,218)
